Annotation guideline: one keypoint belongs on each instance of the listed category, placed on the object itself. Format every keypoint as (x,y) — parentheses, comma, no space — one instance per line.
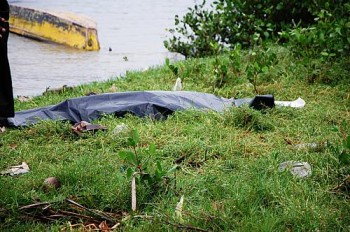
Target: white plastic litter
(311,146)
(178,210)
(16,170)
(298,169)
(299,103)
(178,85)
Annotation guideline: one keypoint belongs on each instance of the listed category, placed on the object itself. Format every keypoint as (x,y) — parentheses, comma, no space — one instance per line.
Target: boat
(64,28)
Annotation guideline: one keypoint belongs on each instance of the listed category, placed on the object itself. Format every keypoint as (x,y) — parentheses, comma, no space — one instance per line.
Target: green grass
(228,162)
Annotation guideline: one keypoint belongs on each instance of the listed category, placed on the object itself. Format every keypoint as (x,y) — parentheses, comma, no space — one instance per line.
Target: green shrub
(310,23)
(329,36)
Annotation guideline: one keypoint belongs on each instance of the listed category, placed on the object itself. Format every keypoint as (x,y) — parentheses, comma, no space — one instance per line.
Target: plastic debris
(16,170)
(178,85)
(178,210)
(311,146)
(305,145)
(120,129)
(84,126)
(2,129)
(299,103)
(298,169)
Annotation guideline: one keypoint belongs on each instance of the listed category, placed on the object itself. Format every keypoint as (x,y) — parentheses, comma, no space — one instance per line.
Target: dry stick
(89,210)
(35,205)
(67,213)
(133,191)
(38,217)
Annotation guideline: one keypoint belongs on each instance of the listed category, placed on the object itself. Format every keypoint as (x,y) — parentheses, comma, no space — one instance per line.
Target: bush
(231,22)
(328,36)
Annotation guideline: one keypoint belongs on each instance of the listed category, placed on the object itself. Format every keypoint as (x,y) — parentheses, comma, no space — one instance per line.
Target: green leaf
(131,142)
(135,135)
(129,172)
(152,149)
(134,138)
(128,155)
(159,166)
(122,154)
(158,174)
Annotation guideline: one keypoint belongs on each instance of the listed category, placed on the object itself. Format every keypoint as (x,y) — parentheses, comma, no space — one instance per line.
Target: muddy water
(130,28)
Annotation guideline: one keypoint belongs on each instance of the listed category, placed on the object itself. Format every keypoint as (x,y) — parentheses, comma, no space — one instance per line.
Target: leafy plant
(259,64)
(173,68)
(140,162)
(328,36)
(229,22)
(220,68)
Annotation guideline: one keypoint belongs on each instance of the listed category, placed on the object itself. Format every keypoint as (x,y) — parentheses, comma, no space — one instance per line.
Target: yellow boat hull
(63,28)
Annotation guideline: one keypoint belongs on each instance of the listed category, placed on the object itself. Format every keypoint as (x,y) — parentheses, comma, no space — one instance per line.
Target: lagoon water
(134,29)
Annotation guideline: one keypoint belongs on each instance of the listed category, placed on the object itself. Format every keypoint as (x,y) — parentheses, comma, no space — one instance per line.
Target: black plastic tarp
(156,104)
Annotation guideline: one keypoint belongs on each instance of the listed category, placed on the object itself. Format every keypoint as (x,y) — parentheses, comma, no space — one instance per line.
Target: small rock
(120,129)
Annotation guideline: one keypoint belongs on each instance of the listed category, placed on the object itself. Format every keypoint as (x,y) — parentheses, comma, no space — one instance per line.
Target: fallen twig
(35,205)
(91,211)
(133,191)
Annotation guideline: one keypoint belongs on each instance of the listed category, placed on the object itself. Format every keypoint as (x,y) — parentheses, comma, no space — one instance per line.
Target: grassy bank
(227,164)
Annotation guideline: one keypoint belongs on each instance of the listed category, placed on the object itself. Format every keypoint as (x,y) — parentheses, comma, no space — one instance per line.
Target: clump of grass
(248,119)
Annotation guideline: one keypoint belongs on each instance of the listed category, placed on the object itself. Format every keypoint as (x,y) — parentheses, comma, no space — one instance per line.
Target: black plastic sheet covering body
(156,104)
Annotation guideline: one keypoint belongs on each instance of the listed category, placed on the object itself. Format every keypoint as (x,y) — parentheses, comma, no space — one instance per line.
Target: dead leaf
(84,126)
(104,227)
(13,146)
(2,129)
